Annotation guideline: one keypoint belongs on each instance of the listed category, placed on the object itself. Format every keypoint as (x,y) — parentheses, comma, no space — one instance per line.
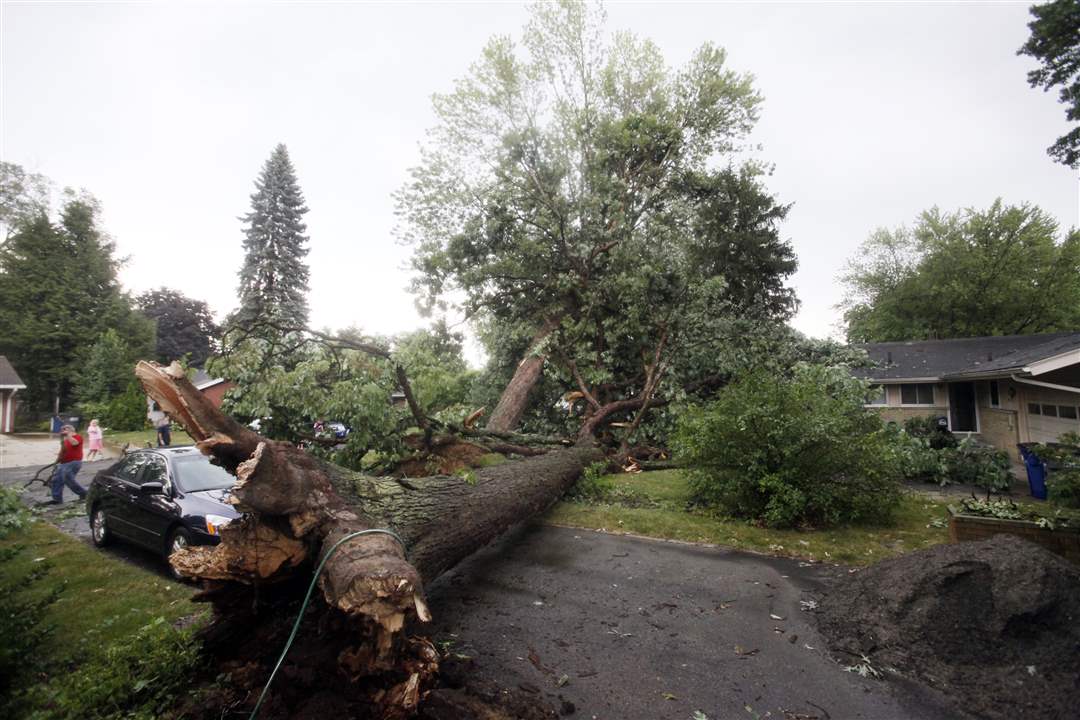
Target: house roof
(202,379)
(965,357)
(9,379)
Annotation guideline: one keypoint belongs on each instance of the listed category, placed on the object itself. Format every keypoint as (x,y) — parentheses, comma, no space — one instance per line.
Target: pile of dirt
(994,625)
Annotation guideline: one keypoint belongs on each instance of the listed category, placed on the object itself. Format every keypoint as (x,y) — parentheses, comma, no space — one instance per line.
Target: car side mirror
(151,488)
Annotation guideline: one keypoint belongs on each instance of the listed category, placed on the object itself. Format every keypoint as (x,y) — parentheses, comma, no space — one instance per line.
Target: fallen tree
(296,507)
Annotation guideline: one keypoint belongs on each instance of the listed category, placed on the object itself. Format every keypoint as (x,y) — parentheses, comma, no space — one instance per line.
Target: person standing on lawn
(164,439)
(68,464)
(93,436)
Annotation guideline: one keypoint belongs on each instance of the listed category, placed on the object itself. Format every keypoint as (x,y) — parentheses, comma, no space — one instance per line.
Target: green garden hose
(307,597)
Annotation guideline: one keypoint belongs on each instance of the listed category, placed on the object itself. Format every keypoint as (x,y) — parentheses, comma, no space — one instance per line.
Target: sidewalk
(35,449)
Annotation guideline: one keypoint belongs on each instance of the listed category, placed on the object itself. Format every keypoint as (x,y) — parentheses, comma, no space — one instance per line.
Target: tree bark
(296,507)
(515,396)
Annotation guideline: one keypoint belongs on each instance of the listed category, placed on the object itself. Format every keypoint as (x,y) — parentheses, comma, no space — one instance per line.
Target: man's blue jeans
(65,475)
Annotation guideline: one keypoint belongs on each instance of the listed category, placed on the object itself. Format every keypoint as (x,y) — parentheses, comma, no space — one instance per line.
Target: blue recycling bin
(59,422)
(1036,471)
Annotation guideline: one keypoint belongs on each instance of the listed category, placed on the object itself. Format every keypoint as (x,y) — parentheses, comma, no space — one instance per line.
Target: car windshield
(196,473)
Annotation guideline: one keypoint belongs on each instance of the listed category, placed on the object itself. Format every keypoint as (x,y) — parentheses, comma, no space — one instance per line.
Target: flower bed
(978,520)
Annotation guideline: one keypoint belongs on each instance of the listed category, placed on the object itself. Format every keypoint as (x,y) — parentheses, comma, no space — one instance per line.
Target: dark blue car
(163,499)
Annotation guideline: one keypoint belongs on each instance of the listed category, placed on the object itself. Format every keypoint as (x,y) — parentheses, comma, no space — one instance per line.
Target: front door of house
(962,416)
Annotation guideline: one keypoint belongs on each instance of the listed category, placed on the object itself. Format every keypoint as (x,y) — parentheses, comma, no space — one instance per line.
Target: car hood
(206,502)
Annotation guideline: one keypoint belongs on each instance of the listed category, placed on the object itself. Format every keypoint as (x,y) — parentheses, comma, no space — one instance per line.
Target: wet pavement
(634,628)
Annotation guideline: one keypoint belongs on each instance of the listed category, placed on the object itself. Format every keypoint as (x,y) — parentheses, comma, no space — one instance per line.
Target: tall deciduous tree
(185,327)
(274,279)
(23,195)
(584,190)
(1000,271)
(1055,42)
(58,293)
(105,370)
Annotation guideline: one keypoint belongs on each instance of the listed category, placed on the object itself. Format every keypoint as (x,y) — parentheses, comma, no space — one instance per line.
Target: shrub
(927,428)
(13,513)
(123,412)
(1063,464)
(789,451)
(974,463)
(966,462)
(916,460)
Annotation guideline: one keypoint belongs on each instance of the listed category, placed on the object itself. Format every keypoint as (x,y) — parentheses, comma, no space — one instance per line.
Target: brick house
(1004,390)
(10,383)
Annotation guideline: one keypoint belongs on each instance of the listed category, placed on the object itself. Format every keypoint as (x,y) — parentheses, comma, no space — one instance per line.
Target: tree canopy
(23,195)
(185,327)
(58,293)
(274,277)
(581,189)
(999,271)
(1055,42)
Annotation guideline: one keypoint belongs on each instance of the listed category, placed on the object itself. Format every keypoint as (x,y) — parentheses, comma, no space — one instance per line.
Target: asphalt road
(637,628)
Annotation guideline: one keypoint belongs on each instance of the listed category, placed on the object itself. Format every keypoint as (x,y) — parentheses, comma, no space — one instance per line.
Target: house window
(1033,409)
(875,395)
(1067,411)
(917,394)
(995,398)
(1049,410)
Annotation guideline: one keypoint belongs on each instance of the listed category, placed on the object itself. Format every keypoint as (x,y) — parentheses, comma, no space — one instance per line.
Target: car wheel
(178,540)
(99,528)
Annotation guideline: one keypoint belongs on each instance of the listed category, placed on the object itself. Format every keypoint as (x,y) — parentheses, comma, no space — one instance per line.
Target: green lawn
(139,438)
(103,598)
(654,504)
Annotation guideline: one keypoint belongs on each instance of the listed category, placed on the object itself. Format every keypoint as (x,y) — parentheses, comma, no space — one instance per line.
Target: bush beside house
(787,451)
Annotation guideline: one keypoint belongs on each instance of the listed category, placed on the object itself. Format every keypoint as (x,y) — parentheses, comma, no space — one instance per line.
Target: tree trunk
(515,396)
(296,507)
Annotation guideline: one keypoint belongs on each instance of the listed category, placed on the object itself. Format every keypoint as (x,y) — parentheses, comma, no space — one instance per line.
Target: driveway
(632,628)
(34,449)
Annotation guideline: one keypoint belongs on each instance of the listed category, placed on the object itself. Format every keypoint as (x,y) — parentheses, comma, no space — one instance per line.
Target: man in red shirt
(68,464)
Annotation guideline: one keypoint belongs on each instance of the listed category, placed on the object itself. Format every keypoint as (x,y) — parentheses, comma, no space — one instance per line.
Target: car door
(154,513)
(120,486)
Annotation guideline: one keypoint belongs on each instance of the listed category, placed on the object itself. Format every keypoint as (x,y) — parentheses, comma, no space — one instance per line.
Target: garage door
(1051,413)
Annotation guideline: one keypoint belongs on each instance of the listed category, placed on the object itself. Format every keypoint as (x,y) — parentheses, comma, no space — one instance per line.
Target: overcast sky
(166,113)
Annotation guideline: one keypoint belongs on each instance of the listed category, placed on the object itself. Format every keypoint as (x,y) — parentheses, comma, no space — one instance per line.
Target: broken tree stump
(296,507)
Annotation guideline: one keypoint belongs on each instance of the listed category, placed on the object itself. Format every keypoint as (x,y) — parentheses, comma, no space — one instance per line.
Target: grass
(139,438)
(103,599)
(665,494)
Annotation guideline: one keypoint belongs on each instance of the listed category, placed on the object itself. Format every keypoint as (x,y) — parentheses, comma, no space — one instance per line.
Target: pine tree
(274,278)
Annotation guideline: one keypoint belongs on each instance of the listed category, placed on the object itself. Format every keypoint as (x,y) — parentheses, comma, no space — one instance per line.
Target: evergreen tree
(274,278)
(58,293)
